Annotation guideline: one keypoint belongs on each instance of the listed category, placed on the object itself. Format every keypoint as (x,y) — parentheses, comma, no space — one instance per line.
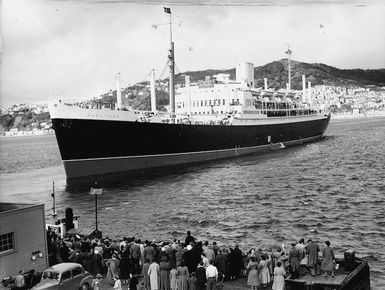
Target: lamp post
(54,214)
(96,192)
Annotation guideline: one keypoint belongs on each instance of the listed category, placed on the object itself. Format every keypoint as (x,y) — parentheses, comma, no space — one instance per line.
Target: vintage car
(65,276)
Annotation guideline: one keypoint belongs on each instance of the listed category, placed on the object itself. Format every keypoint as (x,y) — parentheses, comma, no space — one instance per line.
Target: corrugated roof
(4,206)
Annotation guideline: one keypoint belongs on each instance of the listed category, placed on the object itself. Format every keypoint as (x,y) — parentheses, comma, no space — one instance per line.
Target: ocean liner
(213,119)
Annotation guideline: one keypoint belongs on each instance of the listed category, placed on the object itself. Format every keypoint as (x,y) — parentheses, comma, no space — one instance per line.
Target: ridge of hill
(276,73)
(316,73)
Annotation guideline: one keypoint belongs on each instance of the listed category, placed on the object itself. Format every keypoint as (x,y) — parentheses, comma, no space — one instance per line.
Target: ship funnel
(303,88)
(265,81)
(244,73)
(187,81)
(118,92)
(187,84)
(309,93)
(152,91)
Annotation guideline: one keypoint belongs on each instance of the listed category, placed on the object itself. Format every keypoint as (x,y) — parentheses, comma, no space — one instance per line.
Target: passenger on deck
(294,261)
(253,279)
(201,277)
(279,277)
(264,275)
(146,277)
(153,273)
(328,259)
(189,238)
(312,250)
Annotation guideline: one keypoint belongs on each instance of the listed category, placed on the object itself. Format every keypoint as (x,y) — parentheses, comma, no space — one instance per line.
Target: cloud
(75,48)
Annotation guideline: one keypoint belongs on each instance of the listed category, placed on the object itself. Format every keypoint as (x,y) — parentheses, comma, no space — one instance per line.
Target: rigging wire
(163,71)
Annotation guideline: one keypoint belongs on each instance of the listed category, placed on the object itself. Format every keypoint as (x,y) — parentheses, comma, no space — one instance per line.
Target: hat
(99,276)
(189,247)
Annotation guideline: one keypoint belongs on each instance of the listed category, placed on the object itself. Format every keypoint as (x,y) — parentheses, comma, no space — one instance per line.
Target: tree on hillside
(7,121)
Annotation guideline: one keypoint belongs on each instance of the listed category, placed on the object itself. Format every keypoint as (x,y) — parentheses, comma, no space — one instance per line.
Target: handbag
(305,260)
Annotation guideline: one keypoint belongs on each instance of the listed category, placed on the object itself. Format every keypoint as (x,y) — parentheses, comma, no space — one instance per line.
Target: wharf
(239,284)
(349,276)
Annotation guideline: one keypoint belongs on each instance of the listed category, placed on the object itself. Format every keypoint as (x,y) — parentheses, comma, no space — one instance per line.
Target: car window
(51,275)
(76,271)
(66,275)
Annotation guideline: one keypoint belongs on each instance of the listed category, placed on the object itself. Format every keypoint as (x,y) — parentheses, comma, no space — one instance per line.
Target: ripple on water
(327,190)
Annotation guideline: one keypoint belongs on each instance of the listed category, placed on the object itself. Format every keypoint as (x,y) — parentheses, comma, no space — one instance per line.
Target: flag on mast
(96,191)
(288,51)
(167,10)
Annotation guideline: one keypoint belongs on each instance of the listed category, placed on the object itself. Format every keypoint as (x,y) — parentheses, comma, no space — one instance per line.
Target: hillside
(316,73)
(138,95)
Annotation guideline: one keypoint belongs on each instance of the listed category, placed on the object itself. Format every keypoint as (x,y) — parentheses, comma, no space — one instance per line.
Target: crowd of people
(188,264)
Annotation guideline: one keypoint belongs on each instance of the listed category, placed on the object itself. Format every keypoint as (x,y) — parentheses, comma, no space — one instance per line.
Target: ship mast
(288,52)
(172,66)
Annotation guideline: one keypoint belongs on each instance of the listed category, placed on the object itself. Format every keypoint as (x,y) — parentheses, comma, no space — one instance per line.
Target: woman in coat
(328,259)
(113,267)
(146,278)
(153,272)
(183,275)
(164,268)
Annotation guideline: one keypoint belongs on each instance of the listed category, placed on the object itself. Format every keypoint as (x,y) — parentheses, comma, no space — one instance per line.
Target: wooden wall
(28,226)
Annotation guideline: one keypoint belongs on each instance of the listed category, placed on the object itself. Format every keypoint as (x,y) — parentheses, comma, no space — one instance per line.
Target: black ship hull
(92,147)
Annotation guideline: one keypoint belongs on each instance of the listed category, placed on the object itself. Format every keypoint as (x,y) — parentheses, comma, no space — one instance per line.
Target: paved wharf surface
(321,279)
(239,284)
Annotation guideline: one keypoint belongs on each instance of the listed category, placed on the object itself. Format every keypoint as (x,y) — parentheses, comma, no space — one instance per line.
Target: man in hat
(135,254)
(189,238)
(294,259)
(96,283)
(201,276)
(211,275)
(189,259)
(237,261)
(221,262)
(312,250)
(149,252)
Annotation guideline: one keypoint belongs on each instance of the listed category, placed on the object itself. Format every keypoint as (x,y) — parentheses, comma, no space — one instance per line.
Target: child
(117,283)
(133,282)
(192,282)
(173,278)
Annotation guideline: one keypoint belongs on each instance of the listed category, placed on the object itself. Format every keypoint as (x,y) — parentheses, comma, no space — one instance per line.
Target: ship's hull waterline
(90,147)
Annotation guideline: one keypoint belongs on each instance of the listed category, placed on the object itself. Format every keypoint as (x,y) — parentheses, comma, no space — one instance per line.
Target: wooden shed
(23,239)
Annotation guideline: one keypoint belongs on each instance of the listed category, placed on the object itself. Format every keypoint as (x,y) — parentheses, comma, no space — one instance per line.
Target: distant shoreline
(378,114)
(27,135)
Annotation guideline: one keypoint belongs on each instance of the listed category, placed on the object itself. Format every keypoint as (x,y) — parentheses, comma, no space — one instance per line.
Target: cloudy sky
(75,48)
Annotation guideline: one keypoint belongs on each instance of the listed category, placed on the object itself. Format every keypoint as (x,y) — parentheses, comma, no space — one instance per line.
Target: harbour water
(328,190)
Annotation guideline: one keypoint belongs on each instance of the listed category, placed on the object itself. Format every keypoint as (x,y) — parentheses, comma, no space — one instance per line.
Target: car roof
(62,267)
